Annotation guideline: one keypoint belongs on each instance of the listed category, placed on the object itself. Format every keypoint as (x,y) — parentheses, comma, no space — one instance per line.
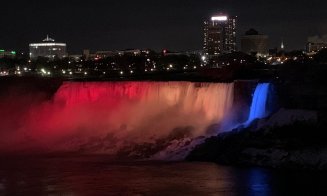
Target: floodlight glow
(47,44)
(219,18)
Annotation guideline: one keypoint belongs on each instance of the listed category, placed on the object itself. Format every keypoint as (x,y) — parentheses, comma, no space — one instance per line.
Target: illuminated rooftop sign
(219,18)
(47,44)
(11,52)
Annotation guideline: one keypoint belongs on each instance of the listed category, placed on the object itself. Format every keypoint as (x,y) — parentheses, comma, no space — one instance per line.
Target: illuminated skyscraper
(48,48)
(219,35)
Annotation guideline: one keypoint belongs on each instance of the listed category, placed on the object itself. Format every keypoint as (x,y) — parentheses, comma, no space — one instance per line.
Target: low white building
(48,48)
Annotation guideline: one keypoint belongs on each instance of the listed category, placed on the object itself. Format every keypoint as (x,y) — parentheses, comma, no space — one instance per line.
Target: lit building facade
(316,43)
(313,47)
(219,35)
(253,43)
(48,48)
(7,54)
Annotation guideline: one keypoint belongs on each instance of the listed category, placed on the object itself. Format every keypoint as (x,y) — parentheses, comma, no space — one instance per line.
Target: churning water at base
(259,102)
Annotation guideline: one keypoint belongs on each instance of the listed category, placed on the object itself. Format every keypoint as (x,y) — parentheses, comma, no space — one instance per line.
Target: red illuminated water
(106,117)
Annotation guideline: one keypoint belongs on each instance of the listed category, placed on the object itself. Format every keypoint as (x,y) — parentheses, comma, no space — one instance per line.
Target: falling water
(259,101)
(106,117)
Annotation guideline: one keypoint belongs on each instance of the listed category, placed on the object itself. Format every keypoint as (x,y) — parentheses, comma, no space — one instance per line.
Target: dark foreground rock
(301,145)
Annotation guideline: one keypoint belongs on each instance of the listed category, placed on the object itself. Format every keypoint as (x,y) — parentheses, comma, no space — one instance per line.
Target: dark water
(100,176)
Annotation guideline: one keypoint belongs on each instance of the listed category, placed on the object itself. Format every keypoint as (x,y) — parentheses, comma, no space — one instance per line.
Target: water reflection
(100,176)
(259,182)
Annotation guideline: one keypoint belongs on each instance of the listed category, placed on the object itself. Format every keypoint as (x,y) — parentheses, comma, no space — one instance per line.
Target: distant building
(219,35)
(75,57)
(253,43)
(105,54)
(131,52)
(315,47)
(316,43)
(7,54)
(86,54)
(48,48)
(166,52)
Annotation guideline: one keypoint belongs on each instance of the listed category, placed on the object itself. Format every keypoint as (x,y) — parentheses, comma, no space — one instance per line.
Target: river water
(99,175)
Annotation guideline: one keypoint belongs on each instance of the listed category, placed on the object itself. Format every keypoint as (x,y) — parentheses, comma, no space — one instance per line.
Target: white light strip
(219,18)
(47,44)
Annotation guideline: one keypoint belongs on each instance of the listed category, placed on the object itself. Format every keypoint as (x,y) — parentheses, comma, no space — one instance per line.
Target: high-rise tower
(219,35)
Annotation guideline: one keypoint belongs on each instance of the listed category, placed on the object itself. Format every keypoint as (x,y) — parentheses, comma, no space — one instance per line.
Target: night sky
(172,24)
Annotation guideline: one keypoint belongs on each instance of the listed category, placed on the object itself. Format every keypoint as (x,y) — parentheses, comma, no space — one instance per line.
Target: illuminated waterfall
(105,117)
(212,100)
(259,102)
(110,117)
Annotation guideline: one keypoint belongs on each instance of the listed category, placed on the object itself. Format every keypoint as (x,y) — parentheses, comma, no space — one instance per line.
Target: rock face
(289,139)
(286,117)
(311,158)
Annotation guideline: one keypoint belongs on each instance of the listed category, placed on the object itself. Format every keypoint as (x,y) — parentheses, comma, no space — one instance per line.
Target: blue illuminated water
(259,102)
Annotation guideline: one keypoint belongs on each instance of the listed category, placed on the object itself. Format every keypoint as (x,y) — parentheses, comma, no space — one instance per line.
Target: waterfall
(259,101)
(108,117)
(134,118)
(213,100)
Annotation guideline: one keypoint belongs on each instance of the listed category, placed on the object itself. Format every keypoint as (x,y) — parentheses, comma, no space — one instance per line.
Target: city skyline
(177,26)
